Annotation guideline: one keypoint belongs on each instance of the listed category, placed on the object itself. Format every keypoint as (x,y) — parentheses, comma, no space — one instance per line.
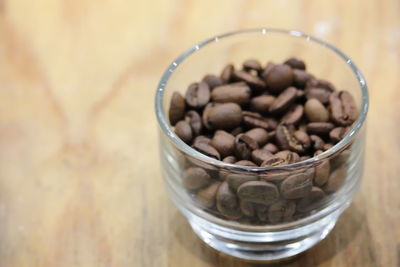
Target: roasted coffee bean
(176,108)
(206,197)
(322,173)
(227,72)
(238,93)
(244,162)
(327,146)
(258,192)
(315,111)
(278,78)
(212,80)
(184,131)
(267,69)
(271,148)
(289,156)
(260,155)
(230,159)
(281,211)
(207,150)
(273,161)
(315,83)
(223,142)
(294,115)
(322,94)
(343,108)
(202,139)
(236,179)
(222,116)
(236,131)
(337,134)
(198,95)
(260,135)
(274,176)
(253,81)
(194,120)
(311,201)
(244,145)
(227,202)
(254,120)
(296,186)
(195,178)
(262,103)
(335,181)
(247,208)
(316,142)
(283,101)
(272,124)
(288,139)
(302,158)
(319,128)
(223,173)
(300,78)
(295,63)
(252,64)
(262,212)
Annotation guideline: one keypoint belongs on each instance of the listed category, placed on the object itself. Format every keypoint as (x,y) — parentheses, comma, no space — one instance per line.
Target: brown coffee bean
(315,111)
(207,150)
(316,142)
(176,108)
(223,142)
(261,211)
(226,74)
(244,145)
(222,116)
(258,192)
(322,173)
(207,196)
(271,148)
(336,180)
(293,115)
(302,158)
(227,202)
(315,83)
(273,161)
(223,173)
(237,130)
(296,186)
(322,94)
(281,211)
(201,139)
(198,95)
(283,101)
(337,134)
(247,208)
(236,179)
(252,64)
(262,103)
(195,178)
(311,201)
(295,63)
(327,146)
(230,159)
(319,128)
(260,155)
(244,162)
(194,120)
(300,78)
(260,135)
(184,131)
(272,124)
(278,78)
(289,156)
(254,120)
(302,138)
(256,84)
(238,93)
(268,67)
(212,80)
(343,108)
(287,139)
(274,176)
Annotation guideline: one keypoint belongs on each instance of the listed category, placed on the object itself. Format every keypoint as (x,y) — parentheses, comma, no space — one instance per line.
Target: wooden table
(79,175)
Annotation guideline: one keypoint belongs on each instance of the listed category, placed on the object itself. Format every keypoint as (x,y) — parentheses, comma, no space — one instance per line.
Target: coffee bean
(322,173)
(262,212)
(260,155)
(315,111)
(296,186)
(207,150)
(316,142)
(281,211)
(195,178)
(256,84)
(262,103)
(283,101)
(244,145)
(272,124)
(293,115)
(201,139)
(252,64)
(278,78)
(260,135)
(315,83)
(322,94)
(212,80)
(274,176)
(206,197)
(258,192)
(302,158)
(254,120)
(337,134)
(300,78)
(295,63)
(184,131)
(244,162)
(273,161)
(289,156)
(194,120)
(223,173)
(223,116)
(247,208)
(230,159)
(327,146)
(343,108)
(223,142)
(267,68)
(311,201)
(236,179)
(319,128)
(227,202)
(271,148)
(288,139)
(227,72)
(238,93)
(198,95)
(237,130)
(176,108)
(336,180)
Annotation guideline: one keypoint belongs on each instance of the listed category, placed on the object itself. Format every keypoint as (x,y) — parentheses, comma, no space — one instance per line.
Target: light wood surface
(79,173)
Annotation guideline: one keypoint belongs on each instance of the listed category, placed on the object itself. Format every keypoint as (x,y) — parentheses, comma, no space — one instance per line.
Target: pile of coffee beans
(263,117)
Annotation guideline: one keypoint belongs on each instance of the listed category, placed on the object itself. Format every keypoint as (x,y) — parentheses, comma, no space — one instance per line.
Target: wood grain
(79,177)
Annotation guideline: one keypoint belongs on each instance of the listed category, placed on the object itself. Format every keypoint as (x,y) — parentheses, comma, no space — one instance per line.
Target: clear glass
(262,236)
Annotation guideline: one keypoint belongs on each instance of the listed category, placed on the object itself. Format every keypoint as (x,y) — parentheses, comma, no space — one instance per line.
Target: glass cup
(281,225)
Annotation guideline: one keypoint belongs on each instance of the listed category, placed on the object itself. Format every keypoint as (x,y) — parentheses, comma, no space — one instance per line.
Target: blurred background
(79,172)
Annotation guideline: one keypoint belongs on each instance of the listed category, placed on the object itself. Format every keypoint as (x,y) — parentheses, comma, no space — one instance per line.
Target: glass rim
(185,148)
